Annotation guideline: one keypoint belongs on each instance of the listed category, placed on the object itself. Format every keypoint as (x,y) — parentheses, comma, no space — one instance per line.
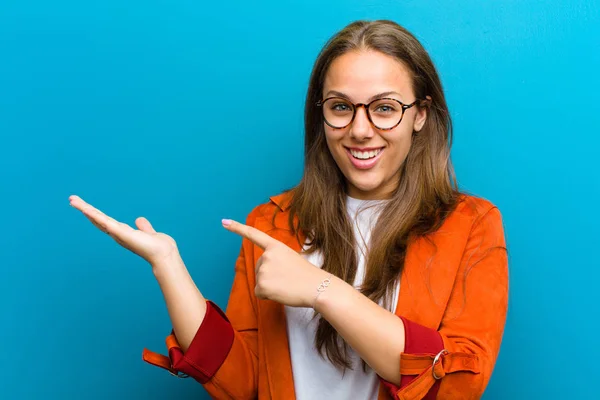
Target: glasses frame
(356,106)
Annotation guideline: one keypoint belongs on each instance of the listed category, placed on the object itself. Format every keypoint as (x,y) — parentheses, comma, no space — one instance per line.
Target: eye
(385,108)
(341,107)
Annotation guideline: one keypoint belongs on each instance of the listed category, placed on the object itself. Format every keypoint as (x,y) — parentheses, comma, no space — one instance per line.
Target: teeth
(364,155)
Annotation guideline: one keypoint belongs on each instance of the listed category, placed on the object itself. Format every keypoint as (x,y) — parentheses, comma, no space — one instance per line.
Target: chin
(365,186)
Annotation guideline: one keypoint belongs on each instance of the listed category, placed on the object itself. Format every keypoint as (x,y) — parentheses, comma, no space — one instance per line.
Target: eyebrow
(345,96)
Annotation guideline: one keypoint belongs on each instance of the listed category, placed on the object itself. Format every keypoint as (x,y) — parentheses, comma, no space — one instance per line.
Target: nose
(361,128)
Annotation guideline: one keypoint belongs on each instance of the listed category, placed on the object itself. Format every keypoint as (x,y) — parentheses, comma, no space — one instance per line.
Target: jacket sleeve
(456,361)
(223,354)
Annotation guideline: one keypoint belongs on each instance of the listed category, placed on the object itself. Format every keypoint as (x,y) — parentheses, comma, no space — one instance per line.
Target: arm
(204,344)
(185,303)
(473,323)
(471,329)
(220,349)
(373,332)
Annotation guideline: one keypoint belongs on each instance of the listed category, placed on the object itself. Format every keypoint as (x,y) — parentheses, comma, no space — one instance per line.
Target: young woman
(373,278)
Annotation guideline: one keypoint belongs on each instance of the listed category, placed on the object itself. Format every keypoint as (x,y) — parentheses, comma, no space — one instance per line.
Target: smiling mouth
(365,155)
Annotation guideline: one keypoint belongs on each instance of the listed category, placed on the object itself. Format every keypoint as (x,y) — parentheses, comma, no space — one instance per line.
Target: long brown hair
(425,195)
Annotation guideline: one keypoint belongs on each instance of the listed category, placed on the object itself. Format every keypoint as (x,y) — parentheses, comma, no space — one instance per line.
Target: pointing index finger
(254,235)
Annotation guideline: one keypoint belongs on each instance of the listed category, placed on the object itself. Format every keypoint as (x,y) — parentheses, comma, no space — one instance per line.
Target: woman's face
(370,158)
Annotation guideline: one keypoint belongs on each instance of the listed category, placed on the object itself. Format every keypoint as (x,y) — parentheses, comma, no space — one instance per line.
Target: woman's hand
(152,246)
(282,275)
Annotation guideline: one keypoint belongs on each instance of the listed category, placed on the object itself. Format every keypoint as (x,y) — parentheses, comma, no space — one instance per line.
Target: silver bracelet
(321,288)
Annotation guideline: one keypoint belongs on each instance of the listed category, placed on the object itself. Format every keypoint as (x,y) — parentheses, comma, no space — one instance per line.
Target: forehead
(362,74)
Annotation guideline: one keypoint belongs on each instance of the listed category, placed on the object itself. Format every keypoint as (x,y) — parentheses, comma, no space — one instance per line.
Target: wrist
(320,289)
(168,265)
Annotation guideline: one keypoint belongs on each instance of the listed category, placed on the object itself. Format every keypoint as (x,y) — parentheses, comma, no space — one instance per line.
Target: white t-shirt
(316,377)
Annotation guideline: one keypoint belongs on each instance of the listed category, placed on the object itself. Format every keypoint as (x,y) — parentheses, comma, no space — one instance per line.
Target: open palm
(152,246)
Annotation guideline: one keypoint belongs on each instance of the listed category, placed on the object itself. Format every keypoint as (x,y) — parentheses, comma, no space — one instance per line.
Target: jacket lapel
(430,269)
(273,326)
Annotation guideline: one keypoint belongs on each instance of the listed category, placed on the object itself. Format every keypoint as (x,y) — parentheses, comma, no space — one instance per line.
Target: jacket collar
(283,200)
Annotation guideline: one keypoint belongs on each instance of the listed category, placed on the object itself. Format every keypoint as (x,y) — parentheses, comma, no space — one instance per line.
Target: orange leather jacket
(453,301)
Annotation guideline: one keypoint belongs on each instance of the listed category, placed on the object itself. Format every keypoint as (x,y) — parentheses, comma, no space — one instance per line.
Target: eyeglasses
(384,114)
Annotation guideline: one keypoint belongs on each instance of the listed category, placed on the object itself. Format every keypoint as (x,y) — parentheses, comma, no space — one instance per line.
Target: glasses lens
(385,113)
(338,112)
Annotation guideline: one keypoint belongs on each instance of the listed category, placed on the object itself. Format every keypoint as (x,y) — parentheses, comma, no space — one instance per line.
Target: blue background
(187,113)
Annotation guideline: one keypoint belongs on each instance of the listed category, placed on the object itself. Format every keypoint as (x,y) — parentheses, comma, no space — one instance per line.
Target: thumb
(144,225)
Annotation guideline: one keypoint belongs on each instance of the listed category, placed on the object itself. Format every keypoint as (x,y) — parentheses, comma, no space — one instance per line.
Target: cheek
(333,137)
(400,143)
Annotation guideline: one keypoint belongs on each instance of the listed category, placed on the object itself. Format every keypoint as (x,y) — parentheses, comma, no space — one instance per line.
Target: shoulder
(473,207)
(475,217)
(469,208)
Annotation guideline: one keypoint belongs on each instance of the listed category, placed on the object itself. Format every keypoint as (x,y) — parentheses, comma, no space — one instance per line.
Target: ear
(421,116)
